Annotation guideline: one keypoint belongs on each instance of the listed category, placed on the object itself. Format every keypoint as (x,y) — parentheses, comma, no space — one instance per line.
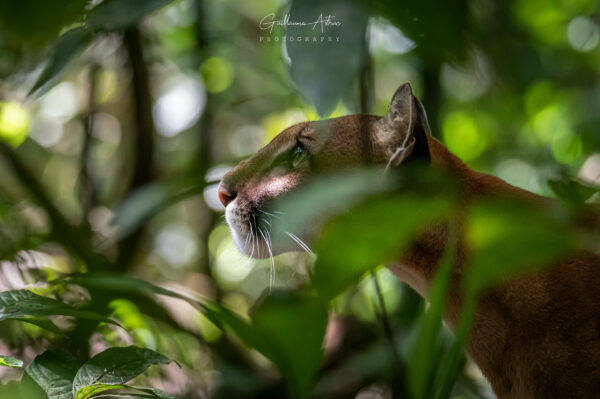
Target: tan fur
(533,337)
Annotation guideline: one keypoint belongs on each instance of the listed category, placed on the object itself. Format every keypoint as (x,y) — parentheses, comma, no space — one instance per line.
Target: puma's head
(311,148)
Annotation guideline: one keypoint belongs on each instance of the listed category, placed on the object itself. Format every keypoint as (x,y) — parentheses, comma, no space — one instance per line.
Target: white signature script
(269,21)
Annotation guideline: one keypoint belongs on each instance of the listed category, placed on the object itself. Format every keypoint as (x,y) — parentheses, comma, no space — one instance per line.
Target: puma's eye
(299,154)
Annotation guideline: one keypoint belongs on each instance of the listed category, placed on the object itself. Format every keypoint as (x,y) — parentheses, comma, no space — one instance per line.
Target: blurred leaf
(572,190)
(146,201)
(371,234)
(54,371)
(334,193)
(121,283)
(14,122)
(20,303)
(508,239)
(426,349)
(114,366)
(288,330)
(42,323)
(438,28)
(121,14)
(66,48)
(324,70)
(8,361)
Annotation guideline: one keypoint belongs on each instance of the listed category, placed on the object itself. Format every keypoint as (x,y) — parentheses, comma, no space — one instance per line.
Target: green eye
(299,154)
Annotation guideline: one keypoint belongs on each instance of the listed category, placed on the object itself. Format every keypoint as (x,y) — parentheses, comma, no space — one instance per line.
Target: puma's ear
(403,131)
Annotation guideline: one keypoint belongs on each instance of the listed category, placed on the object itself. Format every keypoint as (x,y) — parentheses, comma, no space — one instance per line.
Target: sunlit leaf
(66,48)
(372,233)
(41,323)
(18,304)
(54,372)
(288,330)
(120,14)
(8,361)
(114,366)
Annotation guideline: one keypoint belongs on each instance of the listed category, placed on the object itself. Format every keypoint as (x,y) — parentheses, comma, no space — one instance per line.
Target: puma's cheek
(274,187)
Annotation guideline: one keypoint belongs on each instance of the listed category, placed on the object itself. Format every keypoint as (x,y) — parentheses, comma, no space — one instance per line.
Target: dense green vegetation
(118,117)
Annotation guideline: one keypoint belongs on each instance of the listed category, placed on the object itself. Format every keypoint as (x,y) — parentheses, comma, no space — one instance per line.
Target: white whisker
(272,269)
(298,241)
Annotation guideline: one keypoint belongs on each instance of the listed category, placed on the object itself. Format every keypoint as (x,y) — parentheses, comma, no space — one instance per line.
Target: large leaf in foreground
(18,304)
(372,233)
(115,366)
(427,346)
(288,330)
(54,372)
(506,239)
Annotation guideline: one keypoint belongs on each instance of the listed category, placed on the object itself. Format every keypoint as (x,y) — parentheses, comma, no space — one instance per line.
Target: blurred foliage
(118,118)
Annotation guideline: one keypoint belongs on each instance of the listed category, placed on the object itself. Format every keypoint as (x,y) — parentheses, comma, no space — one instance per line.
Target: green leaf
(371,234)
(324,70)
(121,283)
(8,361)
(42,323)
(329,191)
(147,200)
(96,389)
(54,371)
(153,392)
(287,329)
(506,239)
(101,390)
(115,366)
(120,14)
(37,22)
(19,304)
(439,36)
(510,238)
(423,358)
(572,190)
(66,48)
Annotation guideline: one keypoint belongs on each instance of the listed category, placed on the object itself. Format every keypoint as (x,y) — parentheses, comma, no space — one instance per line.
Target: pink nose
(225,195)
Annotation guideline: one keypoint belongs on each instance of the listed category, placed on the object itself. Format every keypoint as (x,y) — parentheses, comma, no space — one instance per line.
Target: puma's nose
(225,195)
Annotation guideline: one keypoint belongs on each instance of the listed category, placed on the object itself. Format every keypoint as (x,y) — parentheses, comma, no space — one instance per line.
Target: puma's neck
(417,267)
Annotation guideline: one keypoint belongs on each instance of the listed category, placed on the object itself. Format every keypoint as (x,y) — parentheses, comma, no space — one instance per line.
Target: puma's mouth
(254,234)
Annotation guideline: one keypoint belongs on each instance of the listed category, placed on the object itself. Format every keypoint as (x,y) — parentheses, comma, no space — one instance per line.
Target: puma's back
(533,337)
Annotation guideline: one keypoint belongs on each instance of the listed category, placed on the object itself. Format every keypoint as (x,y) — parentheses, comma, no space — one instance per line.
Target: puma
(536,336)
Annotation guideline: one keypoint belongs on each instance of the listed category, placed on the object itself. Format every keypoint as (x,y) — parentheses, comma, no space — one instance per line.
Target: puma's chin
(251,237)
(253,234)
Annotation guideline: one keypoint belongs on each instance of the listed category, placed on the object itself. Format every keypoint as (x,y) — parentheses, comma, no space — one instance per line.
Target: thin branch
(88,191)
(144,134)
